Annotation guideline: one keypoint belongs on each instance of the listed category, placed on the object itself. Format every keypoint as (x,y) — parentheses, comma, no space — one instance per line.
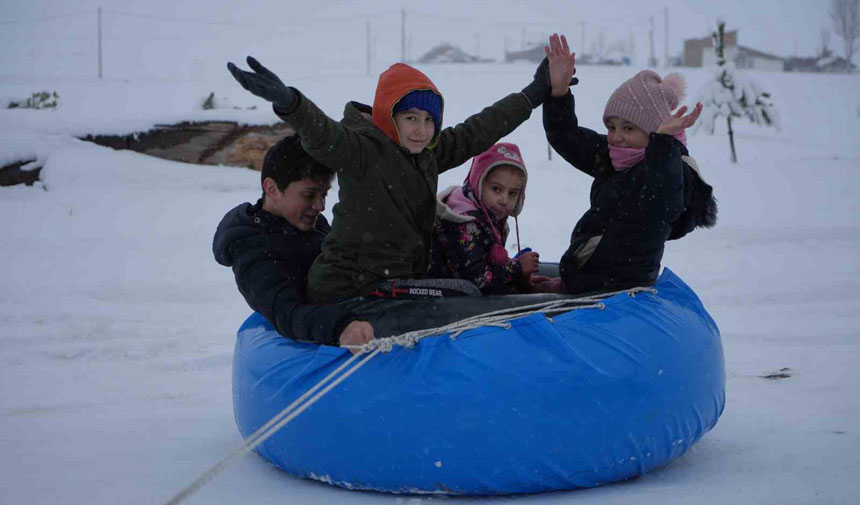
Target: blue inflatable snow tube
(588,397)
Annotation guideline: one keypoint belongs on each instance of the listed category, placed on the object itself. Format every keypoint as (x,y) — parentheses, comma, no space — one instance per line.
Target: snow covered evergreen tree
(732,94)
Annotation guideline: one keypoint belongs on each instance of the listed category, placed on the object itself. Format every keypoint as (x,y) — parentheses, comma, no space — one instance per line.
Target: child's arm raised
(264,84)
(578,146)
(562,65)
(678,122)
(480,131)
(326,140)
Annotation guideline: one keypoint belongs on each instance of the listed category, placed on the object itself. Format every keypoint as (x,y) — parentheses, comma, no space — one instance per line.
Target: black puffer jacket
(619,242)
(270,260)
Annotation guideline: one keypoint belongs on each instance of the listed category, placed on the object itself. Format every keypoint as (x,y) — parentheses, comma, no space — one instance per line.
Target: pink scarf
(625,157)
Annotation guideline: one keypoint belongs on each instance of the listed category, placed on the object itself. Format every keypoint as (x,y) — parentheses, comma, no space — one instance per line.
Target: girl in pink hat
(646,189)
(472,225)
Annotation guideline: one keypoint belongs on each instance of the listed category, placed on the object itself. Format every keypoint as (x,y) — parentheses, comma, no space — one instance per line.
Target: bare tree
(846,23)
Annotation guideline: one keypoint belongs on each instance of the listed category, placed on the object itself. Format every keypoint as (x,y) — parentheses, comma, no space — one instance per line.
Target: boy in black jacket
(270,246)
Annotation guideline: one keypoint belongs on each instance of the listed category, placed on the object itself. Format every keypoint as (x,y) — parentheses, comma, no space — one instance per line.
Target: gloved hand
(540,88)
(265,84)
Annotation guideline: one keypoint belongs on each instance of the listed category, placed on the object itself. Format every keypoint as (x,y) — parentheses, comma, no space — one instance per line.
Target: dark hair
(287,162)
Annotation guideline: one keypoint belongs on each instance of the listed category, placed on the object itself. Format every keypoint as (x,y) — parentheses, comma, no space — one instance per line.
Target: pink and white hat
(502,153)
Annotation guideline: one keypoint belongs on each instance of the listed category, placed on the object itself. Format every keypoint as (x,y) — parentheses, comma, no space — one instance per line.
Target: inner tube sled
(579,399)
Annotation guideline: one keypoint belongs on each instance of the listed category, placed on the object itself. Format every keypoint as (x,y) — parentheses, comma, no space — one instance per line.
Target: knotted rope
(499,318)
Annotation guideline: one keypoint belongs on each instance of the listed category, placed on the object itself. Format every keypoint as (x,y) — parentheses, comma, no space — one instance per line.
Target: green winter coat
(383,221)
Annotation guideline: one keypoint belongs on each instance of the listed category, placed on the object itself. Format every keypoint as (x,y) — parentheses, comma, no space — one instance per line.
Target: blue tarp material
(590,397)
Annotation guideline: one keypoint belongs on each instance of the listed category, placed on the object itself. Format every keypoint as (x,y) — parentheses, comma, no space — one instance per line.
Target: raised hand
(678,122)
(264,83)
(562,64)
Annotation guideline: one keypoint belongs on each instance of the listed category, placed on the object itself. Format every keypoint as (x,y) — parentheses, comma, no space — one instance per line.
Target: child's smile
(622,133)
(416,129)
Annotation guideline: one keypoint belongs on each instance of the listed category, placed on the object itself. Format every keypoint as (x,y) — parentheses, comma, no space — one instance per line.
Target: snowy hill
(118,326)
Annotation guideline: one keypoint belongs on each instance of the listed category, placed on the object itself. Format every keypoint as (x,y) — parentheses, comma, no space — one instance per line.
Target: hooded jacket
(383,221)
(468,243)
(270,259)
(619,242)
(394,84)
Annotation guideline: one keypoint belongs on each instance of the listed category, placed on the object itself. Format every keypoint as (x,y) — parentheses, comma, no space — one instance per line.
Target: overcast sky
(781,27)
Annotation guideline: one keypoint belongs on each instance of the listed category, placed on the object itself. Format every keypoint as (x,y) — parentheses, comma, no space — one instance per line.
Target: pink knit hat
(502,153)
(646,100)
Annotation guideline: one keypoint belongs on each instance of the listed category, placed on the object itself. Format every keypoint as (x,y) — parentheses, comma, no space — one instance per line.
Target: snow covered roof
(748,51)
(449,53)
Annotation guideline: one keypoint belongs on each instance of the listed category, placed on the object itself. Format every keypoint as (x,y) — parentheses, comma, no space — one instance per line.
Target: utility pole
(652,61)
(477,44)
(666,44)
(367,36)
(100,42)
(403,35)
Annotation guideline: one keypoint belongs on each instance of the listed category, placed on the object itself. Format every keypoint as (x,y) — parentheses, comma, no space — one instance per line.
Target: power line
(43,18)
(178,20)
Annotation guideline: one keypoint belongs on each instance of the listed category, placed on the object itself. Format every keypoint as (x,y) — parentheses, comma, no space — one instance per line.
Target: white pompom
(677,83)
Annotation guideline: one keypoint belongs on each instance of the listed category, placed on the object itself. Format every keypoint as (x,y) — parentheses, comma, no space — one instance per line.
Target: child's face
(501,190)
(300,203)
(623,133)
(416,129)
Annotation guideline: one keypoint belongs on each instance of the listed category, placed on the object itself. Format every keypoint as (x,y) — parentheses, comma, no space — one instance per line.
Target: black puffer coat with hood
(270,259)
(619,242)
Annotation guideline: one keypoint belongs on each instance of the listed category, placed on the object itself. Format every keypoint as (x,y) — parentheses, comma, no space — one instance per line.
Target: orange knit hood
(393,85)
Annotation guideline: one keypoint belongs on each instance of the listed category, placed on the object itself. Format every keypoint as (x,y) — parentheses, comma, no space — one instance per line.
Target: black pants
(391,317)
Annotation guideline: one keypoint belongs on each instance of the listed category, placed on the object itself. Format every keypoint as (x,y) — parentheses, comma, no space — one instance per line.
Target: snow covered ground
(117,326)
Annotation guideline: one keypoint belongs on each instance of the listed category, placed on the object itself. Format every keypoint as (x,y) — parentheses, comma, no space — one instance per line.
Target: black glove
(265,84)
(540,88)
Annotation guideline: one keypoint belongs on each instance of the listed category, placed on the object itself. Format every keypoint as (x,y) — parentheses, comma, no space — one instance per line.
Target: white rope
(272,426)
(373,348)
(496,318)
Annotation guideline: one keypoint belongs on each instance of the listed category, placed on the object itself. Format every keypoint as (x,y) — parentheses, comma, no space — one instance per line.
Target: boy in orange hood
(387,167)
